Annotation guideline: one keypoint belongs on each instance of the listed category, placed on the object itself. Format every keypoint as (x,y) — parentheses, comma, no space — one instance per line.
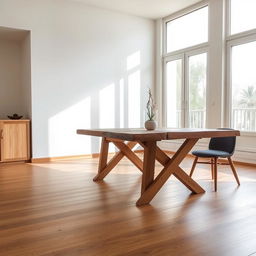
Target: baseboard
(59,158)
(139,151)
(220,160)
(96,155)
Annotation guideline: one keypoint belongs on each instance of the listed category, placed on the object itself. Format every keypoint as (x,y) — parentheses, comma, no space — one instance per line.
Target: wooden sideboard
(14,140)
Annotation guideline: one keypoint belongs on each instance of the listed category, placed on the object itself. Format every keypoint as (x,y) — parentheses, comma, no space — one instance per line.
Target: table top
(159,134)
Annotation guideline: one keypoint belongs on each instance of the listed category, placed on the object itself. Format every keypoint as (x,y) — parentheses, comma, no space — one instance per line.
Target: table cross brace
(125,150)
(150,185)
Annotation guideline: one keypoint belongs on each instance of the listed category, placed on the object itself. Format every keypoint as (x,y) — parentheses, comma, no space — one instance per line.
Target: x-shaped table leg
(151,186)
(125,150)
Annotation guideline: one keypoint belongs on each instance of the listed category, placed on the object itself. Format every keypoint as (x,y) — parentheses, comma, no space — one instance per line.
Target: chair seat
(211,153)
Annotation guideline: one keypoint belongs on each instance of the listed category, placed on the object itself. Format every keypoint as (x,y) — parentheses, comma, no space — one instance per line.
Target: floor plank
(56,209)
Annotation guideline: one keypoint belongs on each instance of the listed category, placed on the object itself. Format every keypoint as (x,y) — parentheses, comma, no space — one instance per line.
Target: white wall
(79,56)
(216,64)
(15,77)
(10,82)
(26,75)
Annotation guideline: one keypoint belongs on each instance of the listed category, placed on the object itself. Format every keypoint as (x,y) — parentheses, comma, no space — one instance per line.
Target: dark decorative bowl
(15,117)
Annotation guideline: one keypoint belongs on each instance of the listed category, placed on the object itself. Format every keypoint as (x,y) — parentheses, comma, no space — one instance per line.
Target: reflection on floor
(56,209)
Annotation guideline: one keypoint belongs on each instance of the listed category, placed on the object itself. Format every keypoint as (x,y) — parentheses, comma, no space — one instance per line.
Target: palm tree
(248,97)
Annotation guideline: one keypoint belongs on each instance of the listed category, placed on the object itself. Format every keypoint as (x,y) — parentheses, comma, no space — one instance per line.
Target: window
(174,93)
(243,82)
(185,72)
(197,90)
(188,30)
(186,98)
(241,65)
(243,16)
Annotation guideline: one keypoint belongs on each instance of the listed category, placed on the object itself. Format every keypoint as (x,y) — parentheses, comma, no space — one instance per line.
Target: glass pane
(197,90)
(188,30)
(242,15)
(174,91)
(244,87)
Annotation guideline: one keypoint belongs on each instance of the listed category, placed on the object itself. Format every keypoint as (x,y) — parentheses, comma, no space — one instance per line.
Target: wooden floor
(56,209)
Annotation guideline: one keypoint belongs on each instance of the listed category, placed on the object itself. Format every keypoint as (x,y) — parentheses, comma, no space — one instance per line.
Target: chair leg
(233,170)
(212,168)
(193,166)
(215,173)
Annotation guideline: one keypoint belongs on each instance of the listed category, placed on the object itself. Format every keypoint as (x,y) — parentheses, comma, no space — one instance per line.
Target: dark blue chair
(222,147)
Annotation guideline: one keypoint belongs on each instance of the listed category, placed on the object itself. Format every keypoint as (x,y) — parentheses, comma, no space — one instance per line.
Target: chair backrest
(226,144)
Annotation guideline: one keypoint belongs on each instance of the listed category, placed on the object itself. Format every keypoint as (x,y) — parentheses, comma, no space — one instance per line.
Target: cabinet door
(1,141)
(14,142)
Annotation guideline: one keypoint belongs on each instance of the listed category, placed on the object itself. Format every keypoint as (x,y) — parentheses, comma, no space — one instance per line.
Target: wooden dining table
(126,139)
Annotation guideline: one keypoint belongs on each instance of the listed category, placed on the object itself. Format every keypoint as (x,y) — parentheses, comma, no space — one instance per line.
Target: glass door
(185,90)
(174,93)
(196,90)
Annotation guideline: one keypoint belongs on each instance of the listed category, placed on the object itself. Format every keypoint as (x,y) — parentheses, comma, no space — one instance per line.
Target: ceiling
(152,9)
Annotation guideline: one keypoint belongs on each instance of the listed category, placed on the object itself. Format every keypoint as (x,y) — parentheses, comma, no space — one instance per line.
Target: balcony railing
(244,119)
(197,118)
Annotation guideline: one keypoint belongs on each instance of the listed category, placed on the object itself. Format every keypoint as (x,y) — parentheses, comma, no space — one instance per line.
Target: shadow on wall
(117,104)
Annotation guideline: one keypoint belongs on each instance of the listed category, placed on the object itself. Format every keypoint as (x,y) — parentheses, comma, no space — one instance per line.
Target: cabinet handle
(1,134)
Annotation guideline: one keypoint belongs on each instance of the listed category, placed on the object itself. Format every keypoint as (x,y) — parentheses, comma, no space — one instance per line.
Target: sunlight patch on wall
(63,140)
(134,104)
(107,107)
(133,60)
(121,98)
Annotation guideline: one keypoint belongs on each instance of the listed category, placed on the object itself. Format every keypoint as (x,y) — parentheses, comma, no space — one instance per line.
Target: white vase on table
(150,125)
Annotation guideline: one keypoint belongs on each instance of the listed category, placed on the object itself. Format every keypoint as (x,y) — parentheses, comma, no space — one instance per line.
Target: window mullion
(186,91)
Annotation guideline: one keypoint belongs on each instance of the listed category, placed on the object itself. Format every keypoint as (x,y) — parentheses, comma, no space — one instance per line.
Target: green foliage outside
(197,93)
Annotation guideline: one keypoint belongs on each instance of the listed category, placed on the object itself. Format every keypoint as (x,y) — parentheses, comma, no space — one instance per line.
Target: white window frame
(228,25)
(164,91)
(187,56)
(184,55)
(231,41)
(177,15)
